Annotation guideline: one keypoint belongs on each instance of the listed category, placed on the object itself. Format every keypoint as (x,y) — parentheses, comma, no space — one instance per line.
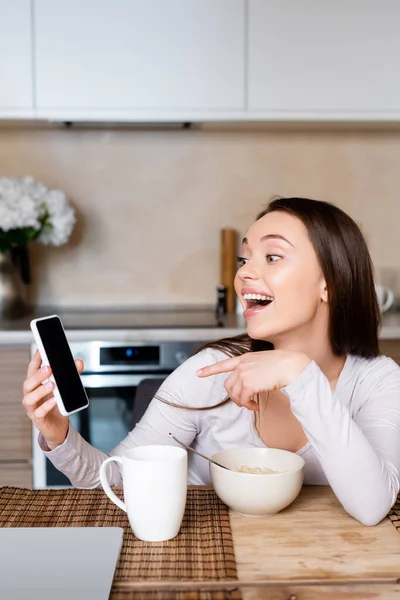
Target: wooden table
(315,548)
(312,549)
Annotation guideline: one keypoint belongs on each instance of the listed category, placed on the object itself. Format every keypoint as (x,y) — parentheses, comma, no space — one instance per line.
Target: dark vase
(13,290)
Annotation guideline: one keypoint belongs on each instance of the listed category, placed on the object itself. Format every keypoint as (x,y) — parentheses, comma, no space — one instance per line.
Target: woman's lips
(252,311)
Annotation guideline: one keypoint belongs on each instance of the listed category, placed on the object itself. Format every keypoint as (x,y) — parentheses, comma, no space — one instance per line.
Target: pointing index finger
(222,366)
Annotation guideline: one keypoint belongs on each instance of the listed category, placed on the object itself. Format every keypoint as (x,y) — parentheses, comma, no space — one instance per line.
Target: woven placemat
(394,514)
(202,551)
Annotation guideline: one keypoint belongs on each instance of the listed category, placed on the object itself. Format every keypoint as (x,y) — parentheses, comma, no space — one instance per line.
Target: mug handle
(389,299)
(106,485)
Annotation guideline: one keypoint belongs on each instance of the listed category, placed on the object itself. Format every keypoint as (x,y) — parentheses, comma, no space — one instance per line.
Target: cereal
(258,470)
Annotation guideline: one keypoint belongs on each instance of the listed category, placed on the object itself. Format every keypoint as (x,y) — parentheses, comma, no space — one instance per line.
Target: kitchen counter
(130,326)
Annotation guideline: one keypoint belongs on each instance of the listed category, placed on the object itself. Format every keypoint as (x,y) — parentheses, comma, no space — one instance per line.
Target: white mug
(155,488)
(385,297)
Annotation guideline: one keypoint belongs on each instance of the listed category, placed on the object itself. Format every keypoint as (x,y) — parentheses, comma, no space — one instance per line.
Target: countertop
(124,325)
(139,325)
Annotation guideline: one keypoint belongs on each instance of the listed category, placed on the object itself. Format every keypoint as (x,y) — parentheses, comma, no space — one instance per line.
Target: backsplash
(150,203)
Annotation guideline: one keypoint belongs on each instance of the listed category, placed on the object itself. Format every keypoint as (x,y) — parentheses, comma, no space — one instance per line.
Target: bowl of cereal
(261,481)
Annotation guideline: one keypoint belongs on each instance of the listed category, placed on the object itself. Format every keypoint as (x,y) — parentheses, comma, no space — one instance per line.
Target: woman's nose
(248,271)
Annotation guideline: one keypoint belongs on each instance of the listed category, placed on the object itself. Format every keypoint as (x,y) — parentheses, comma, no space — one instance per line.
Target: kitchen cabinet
(192,60)
(139,60)
(16,91)
(323,60)
(15,426)
(16,474)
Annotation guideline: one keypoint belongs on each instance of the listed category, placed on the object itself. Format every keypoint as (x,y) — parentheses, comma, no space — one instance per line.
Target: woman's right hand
(40,404)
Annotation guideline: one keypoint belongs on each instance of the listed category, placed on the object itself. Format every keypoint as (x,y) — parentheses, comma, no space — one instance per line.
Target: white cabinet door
(142,55)
(15,58)
(310,57)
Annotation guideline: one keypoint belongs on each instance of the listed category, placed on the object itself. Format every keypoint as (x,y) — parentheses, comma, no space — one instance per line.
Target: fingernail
(199,372)
(48,385)
(45,369)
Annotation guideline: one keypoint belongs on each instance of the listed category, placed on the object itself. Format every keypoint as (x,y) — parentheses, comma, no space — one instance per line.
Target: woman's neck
(330,364)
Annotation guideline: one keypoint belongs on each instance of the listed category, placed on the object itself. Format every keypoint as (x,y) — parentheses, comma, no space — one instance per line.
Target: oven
(120,379)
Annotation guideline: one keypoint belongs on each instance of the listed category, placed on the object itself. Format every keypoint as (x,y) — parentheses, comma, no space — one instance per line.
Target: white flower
(32,188)
(26,203)
(62,218)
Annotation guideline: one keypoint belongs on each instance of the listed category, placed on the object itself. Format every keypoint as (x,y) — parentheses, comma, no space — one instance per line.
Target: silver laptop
(62,563)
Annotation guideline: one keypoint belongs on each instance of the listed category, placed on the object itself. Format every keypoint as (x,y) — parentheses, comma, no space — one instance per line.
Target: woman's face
(279,265)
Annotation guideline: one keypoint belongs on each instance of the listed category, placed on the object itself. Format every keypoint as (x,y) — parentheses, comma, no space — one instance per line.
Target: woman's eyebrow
(268,237)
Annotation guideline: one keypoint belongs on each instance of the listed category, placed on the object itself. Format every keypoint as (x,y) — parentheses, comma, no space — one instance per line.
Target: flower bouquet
(30,211)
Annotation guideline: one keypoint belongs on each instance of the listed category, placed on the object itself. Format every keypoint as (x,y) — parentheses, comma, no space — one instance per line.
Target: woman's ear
(324,292)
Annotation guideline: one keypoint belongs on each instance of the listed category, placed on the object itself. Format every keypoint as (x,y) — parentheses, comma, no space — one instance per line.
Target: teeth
(257,297)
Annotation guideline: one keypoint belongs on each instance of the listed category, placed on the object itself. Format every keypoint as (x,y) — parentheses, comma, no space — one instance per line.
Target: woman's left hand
(255,372)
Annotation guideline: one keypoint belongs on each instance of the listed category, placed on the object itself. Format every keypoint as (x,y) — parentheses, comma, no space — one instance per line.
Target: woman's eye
(241,261)
(273,257)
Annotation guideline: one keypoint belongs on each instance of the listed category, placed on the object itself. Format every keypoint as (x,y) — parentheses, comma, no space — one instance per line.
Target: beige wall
(150,203)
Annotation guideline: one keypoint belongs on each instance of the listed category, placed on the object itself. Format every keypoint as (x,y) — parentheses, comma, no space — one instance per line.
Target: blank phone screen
(62,363)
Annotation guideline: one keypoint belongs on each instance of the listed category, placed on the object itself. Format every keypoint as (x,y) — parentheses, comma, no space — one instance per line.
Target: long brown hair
(354,315)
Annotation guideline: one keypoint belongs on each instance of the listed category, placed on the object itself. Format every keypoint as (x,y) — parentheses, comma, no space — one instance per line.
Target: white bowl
(254,494)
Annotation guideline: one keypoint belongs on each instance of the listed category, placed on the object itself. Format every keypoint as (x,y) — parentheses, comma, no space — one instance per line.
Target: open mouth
(253,300)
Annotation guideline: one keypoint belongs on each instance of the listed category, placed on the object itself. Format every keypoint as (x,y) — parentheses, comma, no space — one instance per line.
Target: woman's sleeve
(360,455)
(80,461)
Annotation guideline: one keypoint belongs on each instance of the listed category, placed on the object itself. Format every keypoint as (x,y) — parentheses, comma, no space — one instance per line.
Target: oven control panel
(101,357)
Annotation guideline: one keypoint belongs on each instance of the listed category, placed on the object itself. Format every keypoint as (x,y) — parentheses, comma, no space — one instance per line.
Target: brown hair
(354,315)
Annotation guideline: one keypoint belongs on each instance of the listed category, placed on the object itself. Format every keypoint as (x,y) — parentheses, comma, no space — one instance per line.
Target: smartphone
(54,349)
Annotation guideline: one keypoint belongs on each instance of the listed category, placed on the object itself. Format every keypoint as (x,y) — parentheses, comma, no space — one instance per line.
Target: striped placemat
(202,551)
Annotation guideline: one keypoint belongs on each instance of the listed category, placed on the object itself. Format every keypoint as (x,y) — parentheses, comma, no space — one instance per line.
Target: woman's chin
(258,332)
(262,329)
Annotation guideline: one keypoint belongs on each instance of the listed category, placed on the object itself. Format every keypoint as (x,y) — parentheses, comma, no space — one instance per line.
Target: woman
(307,378)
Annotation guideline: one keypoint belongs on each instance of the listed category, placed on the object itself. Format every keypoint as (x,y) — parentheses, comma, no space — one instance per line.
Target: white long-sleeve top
(353,432)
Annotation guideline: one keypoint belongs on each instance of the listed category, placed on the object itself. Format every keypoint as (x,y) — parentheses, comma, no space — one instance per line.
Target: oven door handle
(101,380)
